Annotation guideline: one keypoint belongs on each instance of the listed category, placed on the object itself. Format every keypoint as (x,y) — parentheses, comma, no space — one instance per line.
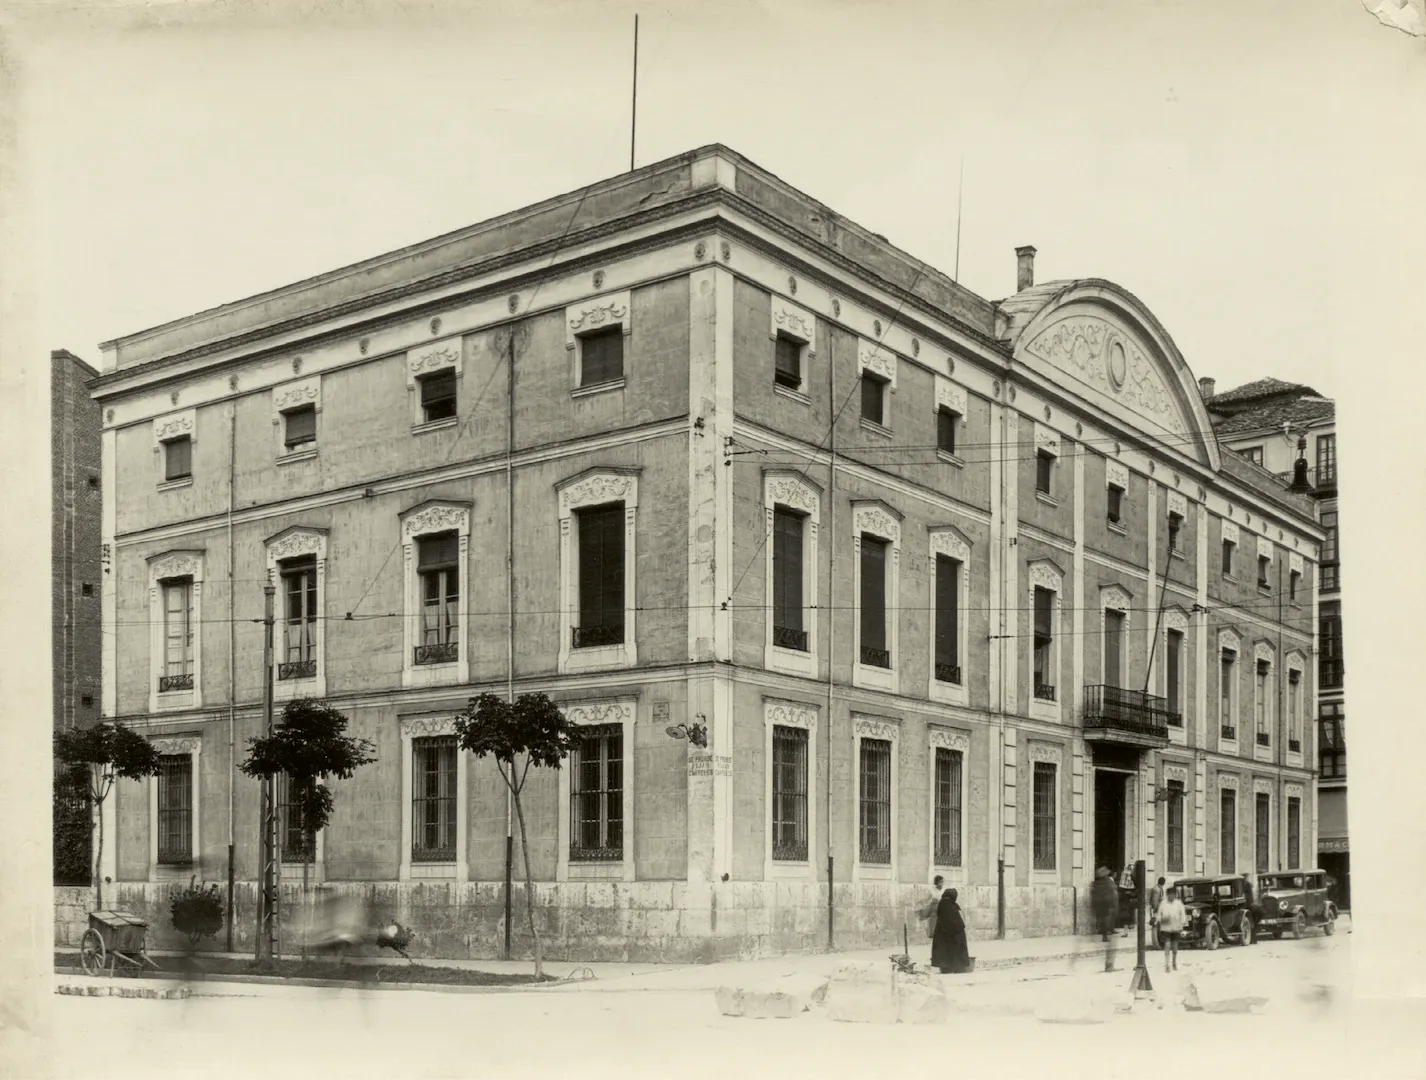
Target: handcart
(115,938)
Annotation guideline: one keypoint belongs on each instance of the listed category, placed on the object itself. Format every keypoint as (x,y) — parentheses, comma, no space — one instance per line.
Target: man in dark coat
(1104,899)
(949,953)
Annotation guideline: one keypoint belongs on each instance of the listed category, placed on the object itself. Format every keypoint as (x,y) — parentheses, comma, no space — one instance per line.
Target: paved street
(665,1023)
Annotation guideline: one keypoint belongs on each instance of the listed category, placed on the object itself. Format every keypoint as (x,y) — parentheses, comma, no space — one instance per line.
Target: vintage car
(1293,900)
(1218,911)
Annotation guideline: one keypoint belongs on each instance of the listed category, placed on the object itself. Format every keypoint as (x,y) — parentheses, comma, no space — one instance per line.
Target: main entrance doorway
(1110,806)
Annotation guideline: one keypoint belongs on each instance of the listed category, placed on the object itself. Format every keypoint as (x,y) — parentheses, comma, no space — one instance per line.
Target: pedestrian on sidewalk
(1156,897)
(949,953)
(1104,900)
(1172,918)
(927,910)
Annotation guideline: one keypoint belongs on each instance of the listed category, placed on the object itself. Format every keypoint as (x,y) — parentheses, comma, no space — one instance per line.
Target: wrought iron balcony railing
(1045,691)
(298,669)
(1294,746)
(792,851)
(950,673)
(875,657)
(1128,712)
(167,683)
(592,637)
(1264,739)
(446,652)
(1228,731)
(785,637)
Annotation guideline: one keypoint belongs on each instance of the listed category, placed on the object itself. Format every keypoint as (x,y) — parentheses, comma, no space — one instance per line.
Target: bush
(197,912)
(73,828)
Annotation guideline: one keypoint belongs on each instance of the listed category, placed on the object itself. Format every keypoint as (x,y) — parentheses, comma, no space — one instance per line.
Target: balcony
(297,669)
(447,652)
(1132,717)
(1264,739)
(872,657)
(948,673)
(1044,691)
(169,683)
(1323,480)
(785,637)
(597,636)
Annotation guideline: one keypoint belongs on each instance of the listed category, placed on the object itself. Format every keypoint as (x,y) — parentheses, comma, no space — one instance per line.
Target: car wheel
(1245,934)
(1211,935)
(1330,926)
(1299,926)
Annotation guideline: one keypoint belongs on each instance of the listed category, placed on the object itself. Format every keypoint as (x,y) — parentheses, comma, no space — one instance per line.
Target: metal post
(1140,982)
(1000,898)
(267,904)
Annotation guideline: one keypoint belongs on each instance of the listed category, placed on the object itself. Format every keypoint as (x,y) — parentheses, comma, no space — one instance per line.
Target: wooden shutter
(873,593)
(787,569)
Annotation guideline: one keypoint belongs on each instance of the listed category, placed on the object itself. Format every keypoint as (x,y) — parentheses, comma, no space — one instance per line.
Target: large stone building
(740,468)
(1271,423)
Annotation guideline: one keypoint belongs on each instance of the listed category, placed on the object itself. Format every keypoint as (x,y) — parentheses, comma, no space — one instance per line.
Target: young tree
(308,744)
(532,727)
(105,751)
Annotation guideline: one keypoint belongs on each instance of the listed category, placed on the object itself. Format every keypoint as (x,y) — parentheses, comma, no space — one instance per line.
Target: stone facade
(904,762)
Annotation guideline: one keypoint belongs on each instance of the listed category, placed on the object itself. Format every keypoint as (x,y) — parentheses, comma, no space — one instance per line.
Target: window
(601,356)
(1264,563)
(1294,833)
(788,358)
(1114,497)
(438,395)
(1175,530)
(946,420)
(1294,578)
(788,631)
(1173,675)
(874,815)
(299,620)
(175,809)
(178,458)
(1262,704)
(93,483)
(947,812)
(1253,454)
(596,794)
(1227,673)
(948,655)
(1113,648)
(1331,558)
(1294,711)
(87,701)
(873,644)
(1331,741)
(1227,831)
(1263,832)
(1326,459)
(1228,547)
(601,576)
(1175,826)
(297,846)
(86,589)
(177,636)
(789,793)
(1044,644)
(300,426)
(1044,472)
(874,398)
(1044,815)
(1329,642)
(433,799)
(438,571)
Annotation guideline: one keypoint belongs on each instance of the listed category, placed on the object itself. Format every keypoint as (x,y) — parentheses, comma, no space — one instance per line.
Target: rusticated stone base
(638,922)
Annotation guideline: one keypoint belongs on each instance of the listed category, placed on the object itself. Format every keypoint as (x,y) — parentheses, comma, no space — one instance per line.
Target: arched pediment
(1101,344)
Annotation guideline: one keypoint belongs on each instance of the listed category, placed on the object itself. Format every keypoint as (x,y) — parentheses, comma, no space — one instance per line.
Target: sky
(1196,153)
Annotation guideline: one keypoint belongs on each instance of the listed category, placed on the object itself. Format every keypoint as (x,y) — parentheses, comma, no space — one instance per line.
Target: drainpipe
(232,655)
(510,618)
(999,786)
(831,616)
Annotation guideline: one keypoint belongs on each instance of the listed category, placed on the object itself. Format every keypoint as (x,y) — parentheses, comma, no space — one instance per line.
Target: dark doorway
(1109,806)
(1338,867)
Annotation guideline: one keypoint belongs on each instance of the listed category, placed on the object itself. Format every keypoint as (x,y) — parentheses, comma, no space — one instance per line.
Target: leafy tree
(530,727)
(308,744)
(103,753)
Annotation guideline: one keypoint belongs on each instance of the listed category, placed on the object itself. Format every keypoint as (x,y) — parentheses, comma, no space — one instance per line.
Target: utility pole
(268,854)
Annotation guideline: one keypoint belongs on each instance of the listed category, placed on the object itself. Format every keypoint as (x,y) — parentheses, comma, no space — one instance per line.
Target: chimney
(1300,485)
(1024,268)
(1206,388)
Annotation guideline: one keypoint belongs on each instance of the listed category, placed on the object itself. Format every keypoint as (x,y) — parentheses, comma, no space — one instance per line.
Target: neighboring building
(897,549)
(1270,422)
(75,574)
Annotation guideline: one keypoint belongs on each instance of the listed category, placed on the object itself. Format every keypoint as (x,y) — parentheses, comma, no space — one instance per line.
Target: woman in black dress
(949,953)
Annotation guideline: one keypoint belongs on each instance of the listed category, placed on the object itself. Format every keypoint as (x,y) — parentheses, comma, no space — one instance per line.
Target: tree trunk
(99,794)
(529,881)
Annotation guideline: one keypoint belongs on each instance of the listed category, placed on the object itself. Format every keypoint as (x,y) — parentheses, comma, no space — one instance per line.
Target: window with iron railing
(1262,702)
(1263,832)
(947,629)
(1045,817)
(1044,644)
(1175,811)
(438,571)
(1227,831)
(1294,833)
(433,799)
(297,845)
(948,806)
(596,794)
(1227,693)
(788,629)
(789,793)
(601,576)
(299,623)
(1173,681)
(177,673)
(175,809)
(873,642)
(874,805)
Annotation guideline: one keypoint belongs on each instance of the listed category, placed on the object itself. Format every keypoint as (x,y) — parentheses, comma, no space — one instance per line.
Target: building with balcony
(952,586)
(1271,422)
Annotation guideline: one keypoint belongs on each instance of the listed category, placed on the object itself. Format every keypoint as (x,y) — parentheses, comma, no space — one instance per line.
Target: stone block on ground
(1072,1004)
(862,993)
(761,1004)
(920,999)
(1219,994)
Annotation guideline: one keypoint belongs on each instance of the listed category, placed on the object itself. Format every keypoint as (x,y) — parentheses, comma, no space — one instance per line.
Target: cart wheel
(91,952)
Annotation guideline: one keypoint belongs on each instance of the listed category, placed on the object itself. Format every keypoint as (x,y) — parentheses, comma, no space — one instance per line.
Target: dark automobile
(1218,911)
(1293,900)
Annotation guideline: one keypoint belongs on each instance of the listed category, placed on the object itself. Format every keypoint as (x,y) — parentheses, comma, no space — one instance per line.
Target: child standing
(1172,919)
